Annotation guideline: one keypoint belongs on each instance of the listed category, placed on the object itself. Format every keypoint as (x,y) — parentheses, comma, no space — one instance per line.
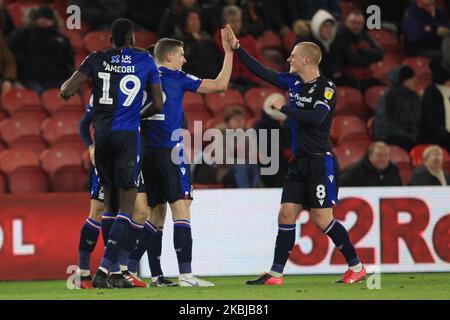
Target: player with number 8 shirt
(312,181)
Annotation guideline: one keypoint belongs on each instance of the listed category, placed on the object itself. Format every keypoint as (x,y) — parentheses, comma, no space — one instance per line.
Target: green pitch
(393,286)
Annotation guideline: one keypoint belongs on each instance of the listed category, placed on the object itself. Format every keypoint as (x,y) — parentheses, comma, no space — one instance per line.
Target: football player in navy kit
(312,181)
(120,76)
(166,180)
(92,226)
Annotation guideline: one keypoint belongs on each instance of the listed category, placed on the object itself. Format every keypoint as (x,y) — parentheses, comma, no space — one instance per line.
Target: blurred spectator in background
(424,25)
(170,22)
(357,51)
(145,13)
(252,20)
(242,79)
(203,58)
(436,108)
(230,175)
(391,12)
(8,70)
(44,56)
(398,112)
(431,173)
(305,9)
(6,23)
(272,119)
(99,14)
(323,33)
(238,175)
(373,170)
(267,13)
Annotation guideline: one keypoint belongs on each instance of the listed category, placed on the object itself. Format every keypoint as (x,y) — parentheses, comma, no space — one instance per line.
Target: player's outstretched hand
(234,42)
(277,101)
(225,41)
(92,154)
(64,96)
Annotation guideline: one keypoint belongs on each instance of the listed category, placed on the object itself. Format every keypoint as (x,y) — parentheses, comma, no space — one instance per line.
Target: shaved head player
(312,181)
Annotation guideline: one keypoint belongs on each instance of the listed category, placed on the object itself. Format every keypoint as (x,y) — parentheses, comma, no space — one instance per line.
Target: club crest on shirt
(115,59)
(328,94)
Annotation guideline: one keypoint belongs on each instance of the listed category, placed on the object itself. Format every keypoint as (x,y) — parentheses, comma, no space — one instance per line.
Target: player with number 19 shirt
(119,79)
(120,76)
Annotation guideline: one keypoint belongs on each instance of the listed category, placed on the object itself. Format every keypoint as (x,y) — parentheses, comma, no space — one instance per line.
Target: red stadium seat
(86,159)
(17,100)
(349,154)
(217,102)
(382,68)
(76,40)
(276,66)
(269,40)
(23,171)
(203,116)
(369,126)
(401,158)
(36,115)
(86,97)
(53,103)
(193,101)
(2,183)
(62,132)
(3,116)
(79,58)
(145,38)
(350,102)
(22,133)
(64,169)
(396,56)
(385,39)
(255,97)
(289,40)
(251,122)
(398,155)
(17,12)
(343,126)
(373,95)
(211,123)
(97,40)
(416,155)
(361,139)
(208,186)
(421,67)
(421,87)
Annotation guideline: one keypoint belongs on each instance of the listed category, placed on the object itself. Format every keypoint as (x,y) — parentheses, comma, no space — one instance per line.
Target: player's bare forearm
(71,86)
(219,84)
(157,96)
(156,105)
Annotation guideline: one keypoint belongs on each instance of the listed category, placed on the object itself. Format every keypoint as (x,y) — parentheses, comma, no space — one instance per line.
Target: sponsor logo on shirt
(192,77)
(157,117)
(126,59)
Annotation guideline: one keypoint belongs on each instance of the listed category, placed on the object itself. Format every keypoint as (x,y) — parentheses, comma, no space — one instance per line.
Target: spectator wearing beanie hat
(398,113)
